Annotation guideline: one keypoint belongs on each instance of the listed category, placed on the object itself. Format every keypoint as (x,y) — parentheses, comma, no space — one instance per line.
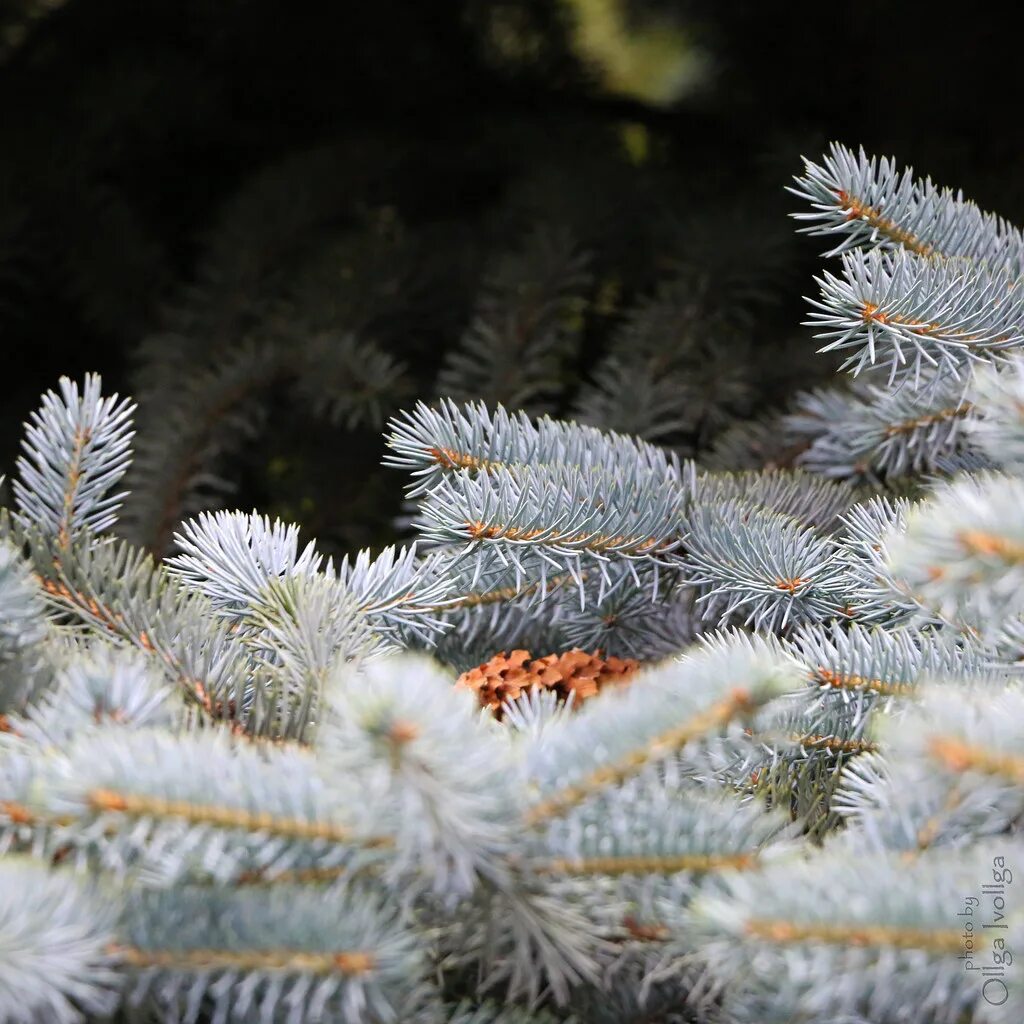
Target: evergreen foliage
(243,782)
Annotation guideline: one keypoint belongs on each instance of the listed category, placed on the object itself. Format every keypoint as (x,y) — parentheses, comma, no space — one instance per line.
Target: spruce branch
(244,564)
(526,939)
(761,567)
(287,953)
(432,443)
(890,802)
(952,771)
(997,429)
(401,594)
(55,930)
(968,733)
(230,558)
(628,610)
(101,685)
(25,662)
(443,784)
(789,942)
(117,797)
(644,613)
(300,629)
(556,519)
(870,202)
(278,817)
(962,553)
(813,500)
(428,766)
(75,449)
(657,825)
(853,674)
(894,311)
(294,621)
(872,434)
(119,592)
(869,529)
(857,662)
(634,858)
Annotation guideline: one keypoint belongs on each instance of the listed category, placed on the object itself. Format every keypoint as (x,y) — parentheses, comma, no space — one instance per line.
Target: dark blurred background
(277,224)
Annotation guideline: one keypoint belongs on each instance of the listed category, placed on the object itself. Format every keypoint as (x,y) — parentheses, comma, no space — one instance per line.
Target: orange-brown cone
(507,676)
